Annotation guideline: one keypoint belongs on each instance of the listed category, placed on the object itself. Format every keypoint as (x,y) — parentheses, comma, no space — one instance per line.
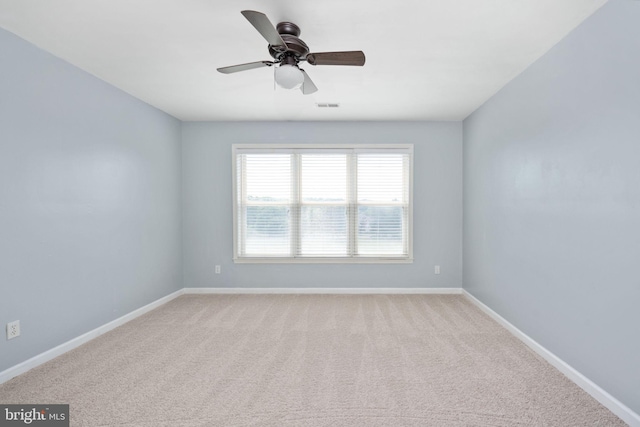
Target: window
(322,203)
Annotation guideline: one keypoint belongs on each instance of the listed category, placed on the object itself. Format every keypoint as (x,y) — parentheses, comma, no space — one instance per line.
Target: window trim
(358,259)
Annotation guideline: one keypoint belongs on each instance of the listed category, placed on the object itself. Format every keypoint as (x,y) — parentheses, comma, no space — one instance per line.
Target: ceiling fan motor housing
(289,33)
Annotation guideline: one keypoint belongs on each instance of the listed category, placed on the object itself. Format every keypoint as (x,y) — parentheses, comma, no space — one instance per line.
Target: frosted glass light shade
(289,76)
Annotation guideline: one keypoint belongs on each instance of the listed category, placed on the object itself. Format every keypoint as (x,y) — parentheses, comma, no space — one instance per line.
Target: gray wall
(90,217)
(207,207)
(552,200)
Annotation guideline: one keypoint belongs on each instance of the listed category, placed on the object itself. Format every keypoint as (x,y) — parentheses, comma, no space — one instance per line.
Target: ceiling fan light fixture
(289,76)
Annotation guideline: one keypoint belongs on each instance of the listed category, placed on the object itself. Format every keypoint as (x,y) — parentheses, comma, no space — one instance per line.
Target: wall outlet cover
(13,329)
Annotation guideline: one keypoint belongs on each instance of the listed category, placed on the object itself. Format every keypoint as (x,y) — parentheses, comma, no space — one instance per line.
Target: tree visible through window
(305,203)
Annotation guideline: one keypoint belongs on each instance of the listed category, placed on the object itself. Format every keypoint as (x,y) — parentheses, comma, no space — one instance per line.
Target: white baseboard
(315,291)
(41,358)
(614,405)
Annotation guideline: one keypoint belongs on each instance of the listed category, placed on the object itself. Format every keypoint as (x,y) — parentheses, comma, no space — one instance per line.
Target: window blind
(322,203)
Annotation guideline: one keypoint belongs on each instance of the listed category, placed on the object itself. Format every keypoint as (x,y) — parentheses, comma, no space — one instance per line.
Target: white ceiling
(426,60)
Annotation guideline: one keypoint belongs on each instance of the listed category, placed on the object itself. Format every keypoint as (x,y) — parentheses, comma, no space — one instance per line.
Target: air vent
(327,105)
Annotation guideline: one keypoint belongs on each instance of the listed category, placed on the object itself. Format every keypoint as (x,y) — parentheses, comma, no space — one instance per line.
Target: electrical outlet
(436,270)
(217,269)
(13,329)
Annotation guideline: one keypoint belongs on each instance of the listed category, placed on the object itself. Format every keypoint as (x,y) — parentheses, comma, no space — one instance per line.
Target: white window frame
(369,259)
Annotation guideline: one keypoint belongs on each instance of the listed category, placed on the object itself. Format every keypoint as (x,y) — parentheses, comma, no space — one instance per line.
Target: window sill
(322,260)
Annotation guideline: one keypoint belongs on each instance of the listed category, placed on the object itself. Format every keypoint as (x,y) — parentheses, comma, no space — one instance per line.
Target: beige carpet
(309,360)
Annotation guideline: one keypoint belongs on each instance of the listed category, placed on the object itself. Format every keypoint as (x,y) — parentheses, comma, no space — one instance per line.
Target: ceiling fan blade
(354,57)
(307,87)
(243,67)
(260,21)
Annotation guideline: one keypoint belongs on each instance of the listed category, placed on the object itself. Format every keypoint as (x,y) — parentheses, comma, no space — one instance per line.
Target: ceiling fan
(287,51)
